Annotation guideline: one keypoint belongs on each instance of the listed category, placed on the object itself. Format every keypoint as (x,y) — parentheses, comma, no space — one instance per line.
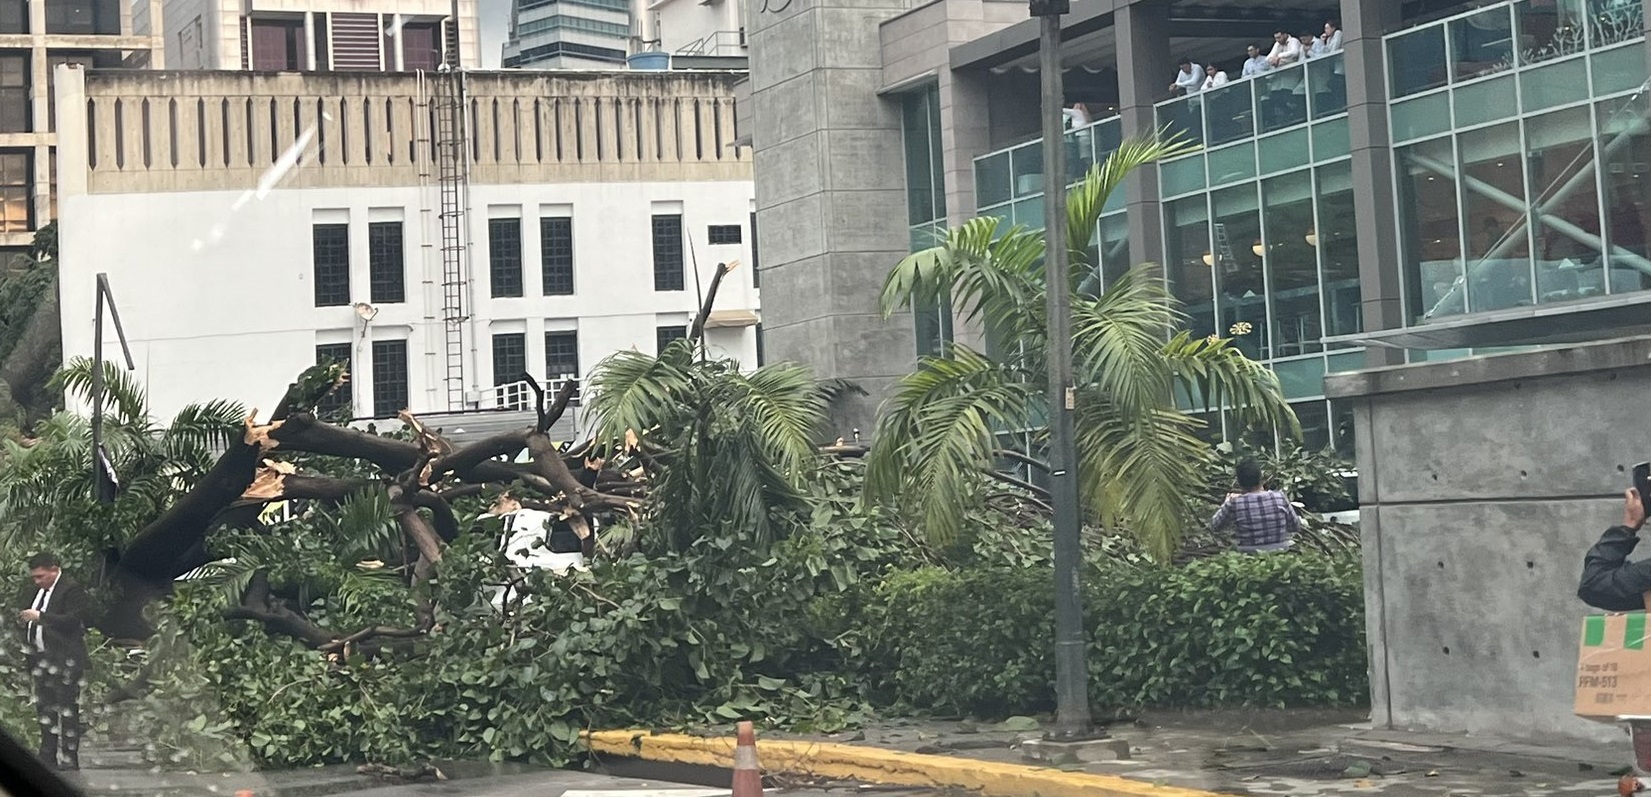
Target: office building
(35,37)
(1441,180)
(321,36)
(266,222)
(645,34)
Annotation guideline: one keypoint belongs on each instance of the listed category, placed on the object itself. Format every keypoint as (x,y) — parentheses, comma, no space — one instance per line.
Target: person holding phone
(1263,520)
(1609,580)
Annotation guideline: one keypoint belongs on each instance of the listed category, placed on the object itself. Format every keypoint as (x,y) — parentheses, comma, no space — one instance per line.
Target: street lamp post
(1072,716)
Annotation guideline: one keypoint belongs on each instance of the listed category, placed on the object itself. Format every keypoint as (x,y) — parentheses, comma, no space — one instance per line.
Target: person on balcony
(1214,76)
(1286,50)
(1189,80)
(1256,63)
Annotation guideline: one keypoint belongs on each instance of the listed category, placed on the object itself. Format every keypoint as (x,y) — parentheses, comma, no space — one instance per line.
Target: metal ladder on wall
(452,179)
(1224,249)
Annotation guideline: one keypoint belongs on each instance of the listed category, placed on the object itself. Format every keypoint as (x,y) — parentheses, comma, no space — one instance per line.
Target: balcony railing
(1504,37)
(1276,100)
(518,396)
(1016,173)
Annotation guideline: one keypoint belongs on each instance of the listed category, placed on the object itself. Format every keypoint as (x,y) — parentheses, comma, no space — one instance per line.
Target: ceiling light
(1313,238)
(1209,260)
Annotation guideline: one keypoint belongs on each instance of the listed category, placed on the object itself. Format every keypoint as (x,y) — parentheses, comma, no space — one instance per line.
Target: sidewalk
(1184,754)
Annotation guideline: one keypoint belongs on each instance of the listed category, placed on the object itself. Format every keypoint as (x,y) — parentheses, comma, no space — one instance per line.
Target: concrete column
(157,34)
(40,189)
(1375,204)
(71,113)
(309,40)
(1145,67)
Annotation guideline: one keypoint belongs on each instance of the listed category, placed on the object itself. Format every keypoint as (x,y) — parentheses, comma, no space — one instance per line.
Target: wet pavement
(1292,753)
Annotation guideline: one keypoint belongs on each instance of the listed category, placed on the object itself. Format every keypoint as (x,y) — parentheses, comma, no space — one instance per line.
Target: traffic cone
(747,775)
(244,793)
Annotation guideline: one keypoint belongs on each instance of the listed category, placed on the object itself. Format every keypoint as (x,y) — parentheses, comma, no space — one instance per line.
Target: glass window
(504,257)
(14,92)
(1292,265)
(98,17)
(756,267)
(1497,243)
(561,355)
(922,202)
(1615,21)
(1230,112)
(992,180)
(1183,117)
(420,49)
(1315,424)
(1114,247)
(667,247)
(718,234)
(1190,261)
(330,245)
(14,16)
(389,377)
(1550,29)
(386,260)
(1239,276)
(1626,174)
(1431,231)
(1416,61)
(664,335)
(556,254)
(1565,206)
(1335,237)
(338,401)
(278,44)
(1482,44)
(1026,165)
(509,357)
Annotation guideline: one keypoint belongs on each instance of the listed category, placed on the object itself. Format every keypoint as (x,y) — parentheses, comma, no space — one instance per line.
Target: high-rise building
(322,35)
(674,34)
(38,36)
(1437,179)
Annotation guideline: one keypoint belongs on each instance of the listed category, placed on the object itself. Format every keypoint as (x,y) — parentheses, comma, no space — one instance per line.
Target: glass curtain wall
(926,204)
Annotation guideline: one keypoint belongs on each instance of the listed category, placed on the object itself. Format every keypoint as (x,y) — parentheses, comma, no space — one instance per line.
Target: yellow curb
(875,765)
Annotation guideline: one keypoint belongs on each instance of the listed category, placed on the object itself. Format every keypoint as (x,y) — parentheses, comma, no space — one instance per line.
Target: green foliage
(1277,630)
(940,427)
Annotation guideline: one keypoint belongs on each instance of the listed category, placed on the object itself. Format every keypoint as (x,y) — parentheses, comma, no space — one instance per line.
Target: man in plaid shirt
(1263,521)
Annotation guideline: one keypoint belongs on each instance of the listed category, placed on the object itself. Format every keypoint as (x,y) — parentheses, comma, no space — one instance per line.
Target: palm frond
(939,429)
(1214,370)
(204,427)
(636,391)
(789,408)
(1118,338)
(1088,198)
(991,274)
(120,389)
(1135,470)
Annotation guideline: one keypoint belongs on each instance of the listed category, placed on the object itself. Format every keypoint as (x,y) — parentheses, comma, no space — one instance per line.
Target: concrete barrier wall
(1482,484)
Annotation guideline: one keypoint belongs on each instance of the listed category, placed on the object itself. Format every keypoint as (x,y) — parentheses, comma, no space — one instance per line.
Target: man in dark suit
(54,631)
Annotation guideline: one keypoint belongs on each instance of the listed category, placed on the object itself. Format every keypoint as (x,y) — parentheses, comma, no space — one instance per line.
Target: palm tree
(1137,453)
(734,446)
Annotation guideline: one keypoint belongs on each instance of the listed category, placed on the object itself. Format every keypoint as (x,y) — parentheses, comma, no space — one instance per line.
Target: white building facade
(596,206)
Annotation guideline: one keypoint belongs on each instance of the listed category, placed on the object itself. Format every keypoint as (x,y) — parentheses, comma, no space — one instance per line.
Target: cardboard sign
(1613,671)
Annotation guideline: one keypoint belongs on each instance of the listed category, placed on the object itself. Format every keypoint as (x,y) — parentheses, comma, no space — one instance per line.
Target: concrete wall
(1482,484)
(830,189)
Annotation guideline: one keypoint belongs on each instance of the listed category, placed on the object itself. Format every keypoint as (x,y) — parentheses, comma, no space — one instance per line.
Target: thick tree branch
(697,331)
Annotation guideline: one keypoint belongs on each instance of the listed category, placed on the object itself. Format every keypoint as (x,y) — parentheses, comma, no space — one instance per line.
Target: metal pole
(1071,676)
(97,401)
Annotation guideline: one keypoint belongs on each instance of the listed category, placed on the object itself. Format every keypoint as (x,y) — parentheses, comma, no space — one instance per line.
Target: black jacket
(1609,580)
(63,623)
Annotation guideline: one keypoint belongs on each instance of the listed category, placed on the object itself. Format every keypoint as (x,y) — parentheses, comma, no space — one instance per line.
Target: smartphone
(1642,481)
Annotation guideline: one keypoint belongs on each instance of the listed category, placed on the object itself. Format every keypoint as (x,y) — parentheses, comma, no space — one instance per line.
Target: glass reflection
(1026,166)
(1432,239)
(1570,262)
(1114,246)
(1327,77)
(1417,61)
(1315,424)
(1624,138)
(1281,96)
(1493,216)
(1614,21)
(1231,116)
(1238,269)
(1336,240)
(1482,44)
(1550,29)
(1292,265)
(1190,260)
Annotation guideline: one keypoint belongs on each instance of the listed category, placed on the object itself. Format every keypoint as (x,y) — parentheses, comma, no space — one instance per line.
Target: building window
(420,47)
(509,357)
(504,257)
(561,355)
(14,93)
(14,191)
(556,255)
(14,16)
(667,235)
(664,335)
(339,400)
(723,234)
(331,244)
(81,17)
(386,262)
(278,45)
(756,271)
(389,377)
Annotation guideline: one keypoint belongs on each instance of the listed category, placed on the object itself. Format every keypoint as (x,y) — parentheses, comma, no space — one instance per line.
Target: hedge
(1232,630)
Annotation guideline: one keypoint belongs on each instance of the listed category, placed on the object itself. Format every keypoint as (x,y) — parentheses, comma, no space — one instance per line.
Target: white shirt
(1334,44)
(1287,52)
(1217,79)
(37,634)
(1192,81)
(1256,66)
(1075,118)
